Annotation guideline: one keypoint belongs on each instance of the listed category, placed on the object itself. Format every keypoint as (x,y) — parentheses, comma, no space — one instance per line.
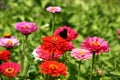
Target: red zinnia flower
(10,69)
(53,68)
(54,44)
(95,44)
(4,55)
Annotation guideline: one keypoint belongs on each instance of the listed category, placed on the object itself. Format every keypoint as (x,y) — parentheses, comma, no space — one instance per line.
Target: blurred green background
(88,17)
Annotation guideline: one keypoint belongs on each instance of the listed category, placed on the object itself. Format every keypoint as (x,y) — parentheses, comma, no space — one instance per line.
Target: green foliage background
(88,17)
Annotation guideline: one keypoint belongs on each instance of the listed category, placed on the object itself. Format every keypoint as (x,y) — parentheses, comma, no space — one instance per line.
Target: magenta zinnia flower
(81,54)
(66,33)
(10,69)
(26,27)
(53,9)
(9,41)
(41,54)
(95,45)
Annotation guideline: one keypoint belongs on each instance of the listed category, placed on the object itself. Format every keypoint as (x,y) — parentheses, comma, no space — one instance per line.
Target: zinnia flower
(81,54)
(26,27)
(8,41)
(10,69)
(118,31)
(53,68)
(54,44)
(53,9)
(41,54)
(66,33)
(70,46)
(95,45)
(4,55)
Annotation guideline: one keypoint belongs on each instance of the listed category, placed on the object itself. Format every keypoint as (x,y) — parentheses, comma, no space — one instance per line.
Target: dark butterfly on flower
(63,34)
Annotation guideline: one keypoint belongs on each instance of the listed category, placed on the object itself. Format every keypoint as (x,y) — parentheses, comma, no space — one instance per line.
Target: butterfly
(63,34)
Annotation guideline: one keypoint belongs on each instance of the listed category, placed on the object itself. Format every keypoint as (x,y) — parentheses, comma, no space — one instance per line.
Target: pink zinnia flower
(26,27)
(118,31)
(10,69)
(95,45)
(66,33)
(81,54)
(41,54)
(8,41)
(53,9)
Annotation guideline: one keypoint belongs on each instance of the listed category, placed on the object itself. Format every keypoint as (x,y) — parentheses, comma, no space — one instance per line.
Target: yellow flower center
(53,66)
(6,35)
(25,27)
(81,52)
(54,38)
(96,43)
(53,8)
(9,42)
(9,70)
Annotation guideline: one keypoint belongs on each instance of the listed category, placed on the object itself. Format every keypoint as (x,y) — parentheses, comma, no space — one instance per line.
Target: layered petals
(54,44)
(81,54)
(53,68)
(53,9)
(41,54)
(4,55)
(26,27)
(9,42)
(66,33)
(70,46)
(95,45)
(10,69)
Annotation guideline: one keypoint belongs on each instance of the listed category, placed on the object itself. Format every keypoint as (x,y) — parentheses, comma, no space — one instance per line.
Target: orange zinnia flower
(53,68)
(54,44)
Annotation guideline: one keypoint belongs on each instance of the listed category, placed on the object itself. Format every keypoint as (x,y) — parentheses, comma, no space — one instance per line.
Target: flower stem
(53,2)
(64,58)
(93,66)
(51,78)
(0,62)
(24,57)
(79,69)
(1,77)
(53,23)
(97,62)
(10,78)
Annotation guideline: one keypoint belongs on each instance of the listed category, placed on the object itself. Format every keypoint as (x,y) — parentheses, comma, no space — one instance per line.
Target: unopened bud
(7,35)
(99,71)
